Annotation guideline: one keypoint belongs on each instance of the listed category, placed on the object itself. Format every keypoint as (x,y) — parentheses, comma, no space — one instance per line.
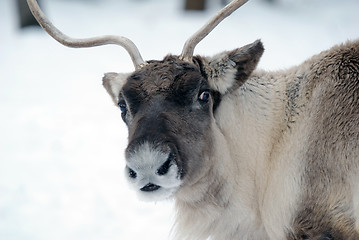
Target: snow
(61,138)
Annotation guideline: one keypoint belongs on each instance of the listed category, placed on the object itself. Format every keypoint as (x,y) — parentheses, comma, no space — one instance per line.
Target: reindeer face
(169,107)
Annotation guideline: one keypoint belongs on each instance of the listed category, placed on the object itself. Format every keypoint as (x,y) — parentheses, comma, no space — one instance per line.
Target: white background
(61,138)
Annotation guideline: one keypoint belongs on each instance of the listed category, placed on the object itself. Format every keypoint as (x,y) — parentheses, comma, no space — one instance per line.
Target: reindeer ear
(229,70)
(113,83)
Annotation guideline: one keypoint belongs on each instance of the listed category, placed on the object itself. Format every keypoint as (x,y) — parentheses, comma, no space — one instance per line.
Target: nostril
(132,173)
(166,166)
(150,187)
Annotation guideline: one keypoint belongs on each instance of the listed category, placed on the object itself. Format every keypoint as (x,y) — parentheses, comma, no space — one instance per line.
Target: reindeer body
(286,159)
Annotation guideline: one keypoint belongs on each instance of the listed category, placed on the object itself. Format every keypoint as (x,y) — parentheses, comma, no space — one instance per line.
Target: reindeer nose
(132,173)
(150,187)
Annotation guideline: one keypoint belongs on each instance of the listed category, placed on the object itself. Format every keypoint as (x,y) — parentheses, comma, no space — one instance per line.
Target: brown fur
(331,159)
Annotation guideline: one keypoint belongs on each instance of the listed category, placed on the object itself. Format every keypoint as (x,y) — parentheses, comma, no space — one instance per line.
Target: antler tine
(188,49)
(126,43)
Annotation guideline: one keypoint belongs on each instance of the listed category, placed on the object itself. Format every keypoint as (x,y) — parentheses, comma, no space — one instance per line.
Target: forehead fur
(167,76)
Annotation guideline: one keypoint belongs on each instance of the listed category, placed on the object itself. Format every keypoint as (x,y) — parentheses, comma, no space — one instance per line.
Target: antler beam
(188,49)
(85,42)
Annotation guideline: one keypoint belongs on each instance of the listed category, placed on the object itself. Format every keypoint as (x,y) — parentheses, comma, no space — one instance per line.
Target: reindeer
(245,153)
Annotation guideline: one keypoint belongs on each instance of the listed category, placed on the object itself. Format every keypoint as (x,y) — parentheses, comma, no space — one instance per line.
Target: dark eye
(123,108)
(204,96)
(122,105)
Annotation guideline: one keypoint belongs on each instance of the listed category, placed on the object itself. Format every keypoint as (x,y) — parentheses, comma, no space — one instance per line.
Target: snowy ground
(62,140)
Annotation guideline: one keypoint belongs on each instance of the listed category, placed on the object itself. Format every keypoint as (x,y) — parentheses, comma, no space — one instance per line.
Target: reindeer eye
(204,96)
(122,106)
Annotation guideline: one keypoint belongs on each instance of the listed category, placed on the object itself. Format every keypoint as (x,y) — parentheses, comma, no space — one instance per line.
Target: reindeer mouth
(150,187)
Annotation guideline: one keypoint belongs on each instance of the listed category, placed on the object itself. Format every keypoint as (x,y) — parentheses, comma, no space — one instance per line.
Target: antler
(85,42)
(188,49)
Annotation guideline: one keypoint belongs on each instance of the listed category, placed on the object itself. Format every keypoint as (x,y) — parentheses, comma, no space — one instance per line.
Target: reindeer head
(169,106)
